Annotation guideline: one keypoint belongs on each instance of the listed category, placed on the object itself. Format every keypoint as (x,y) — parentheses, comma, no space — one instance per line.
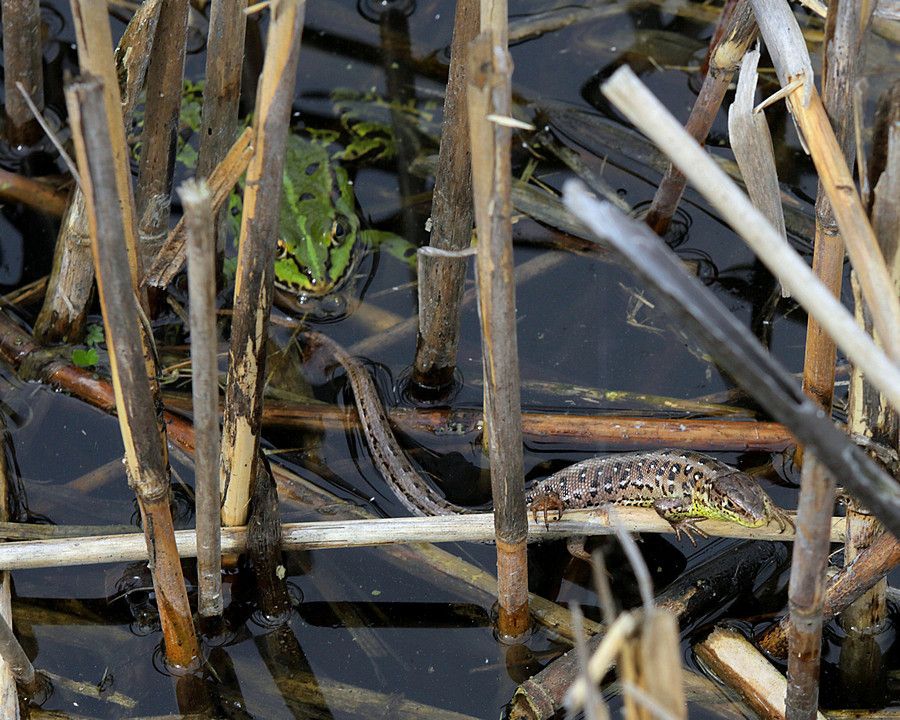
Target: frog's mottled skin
(319,227)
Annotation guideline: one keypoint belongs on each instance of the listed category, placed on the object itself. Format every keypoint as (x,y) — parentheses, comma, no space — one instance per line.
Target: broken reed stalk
(632,98)
(22,62)
(785,44)
(64,312)
(38,195)
(256,258)
(718,332)
(157,164)
(201,250)
(489,94)
(221,182)
(370,532)
(840,58)
(738,33)
(848,585)
(734,660)
(221,95)
(442,279)
(611,431)
(144,453)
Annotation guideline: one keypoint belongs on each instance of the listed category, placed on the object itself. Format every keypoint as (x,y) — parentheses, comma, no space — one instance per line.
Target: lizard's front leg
(674,511)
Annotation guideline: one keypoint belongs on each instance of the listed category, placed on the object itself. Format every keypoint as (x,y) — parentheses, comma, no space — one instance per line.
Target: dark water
(365,619)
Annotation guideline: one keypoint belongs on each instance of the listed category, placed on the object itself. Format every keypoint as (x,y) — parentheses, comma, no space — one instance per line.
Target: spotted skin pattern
(683,487)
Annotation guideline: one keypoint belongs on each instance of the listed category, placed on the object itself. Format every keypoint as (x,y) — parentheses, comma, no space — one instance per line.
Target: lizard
(683,487)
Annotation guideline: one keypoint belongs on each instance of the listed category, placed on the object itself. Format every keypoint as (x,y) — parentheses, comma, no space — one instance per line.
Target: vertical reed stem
(22,62)
(221,94)
(490,94)
(255,272)
(201,253)
(441,285)
(157,165)
(144,454)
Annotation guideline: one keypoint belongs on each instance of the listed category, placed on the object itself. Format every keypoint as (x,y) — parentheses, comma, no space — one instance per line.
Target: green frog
(320,236)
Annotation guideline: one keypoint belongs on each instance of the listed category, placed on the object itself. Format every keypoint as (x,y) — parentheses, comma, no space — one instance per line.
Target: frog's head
(738,497)
(319,228)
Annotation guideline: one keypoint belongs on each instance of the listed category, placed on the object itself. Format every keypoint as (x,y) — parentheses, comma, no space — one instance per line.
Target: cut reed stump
(144,445)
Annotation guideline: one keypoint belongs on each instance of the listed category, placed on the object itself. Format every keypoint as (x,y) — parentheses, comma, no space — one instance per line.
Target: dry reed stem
(201,250)
(145,455)
(489,92)
(161,116)
(632,98)
(255,272)
(441,281)
(221,182)
(338,534)
(63,314)
(22,62)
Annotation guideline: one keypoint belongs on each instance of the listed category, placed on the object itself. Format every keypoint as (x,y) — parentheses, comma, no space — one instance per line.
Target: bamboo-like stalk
(157,163)
(632,98)
(737,32)
(63,314)
(255,271)
(144,452)
(35,194)
(221,94)
(694,306)
(489,94)
(372,532)
(221,182)
(441,281)
(22,62)
(199,217)
(779,28)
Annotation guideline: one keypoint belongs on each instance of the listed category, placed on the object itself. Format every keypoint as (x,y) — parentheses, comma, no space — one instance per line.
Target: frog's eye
(339,231)
(312,168)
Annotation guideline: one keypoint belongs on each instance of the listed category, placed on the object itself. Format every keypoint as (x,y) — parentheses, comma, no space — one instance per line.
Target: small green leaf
(85,358)
(94,335)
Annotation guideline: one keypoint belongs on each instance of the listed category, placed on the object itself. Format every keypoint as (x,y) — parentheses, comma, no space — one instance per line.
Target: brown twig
(39,195)
(144,450)
(489,96)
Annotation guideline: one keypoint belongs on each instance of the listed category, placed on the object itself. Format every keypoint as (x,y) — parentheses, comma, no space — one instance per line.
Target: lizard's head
(738,498)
